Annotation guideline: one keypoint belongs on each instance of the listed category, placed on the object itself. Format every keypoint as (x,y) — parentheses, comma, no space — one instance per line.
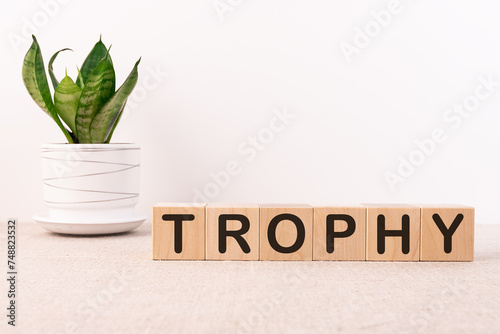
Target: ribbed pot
(91,183)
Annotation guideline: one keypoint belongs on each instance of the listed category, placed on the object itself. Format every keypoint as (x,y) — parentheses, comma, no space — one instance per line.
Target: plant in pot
(90,185)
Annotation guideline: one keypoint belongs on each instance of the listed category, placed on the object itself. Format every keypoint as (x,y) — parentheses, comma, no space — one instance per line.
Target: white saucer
(84,228)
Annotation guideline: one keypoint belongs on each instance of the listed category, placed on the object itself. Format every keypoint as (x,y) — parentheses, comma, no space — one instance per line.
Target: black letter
(330,230)
(271,233)
(177,229)
(404,233)
(447,233)
(224,233)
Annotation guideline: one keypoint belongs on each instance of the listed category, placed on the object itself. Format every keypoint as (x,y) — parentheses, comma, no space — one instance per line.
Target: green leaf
(101,123)
(95,56)
(114,122)
(35,80)
(66,99)
(53,78)
(79,79)
(98,89)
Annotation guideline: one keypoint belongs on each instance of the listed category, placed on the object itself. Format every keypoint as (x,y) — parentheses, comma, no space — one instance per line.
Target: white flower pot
(91,188)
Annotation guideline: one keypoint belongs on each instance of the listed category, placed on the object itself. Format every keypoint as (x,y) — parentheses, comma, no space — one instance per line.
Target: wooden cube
(447,233)
(339,233)
(286,232)
(232,232)
(392,232)
(179,231)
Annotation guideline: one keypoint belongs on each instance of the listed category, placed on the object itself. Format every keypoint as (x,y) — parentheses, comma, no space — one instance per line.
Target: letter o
(104,297)
(271,233)
(211,189)
(40,19)
(416,158)
(266,135)
(139,94)
(369,31)
(471,106)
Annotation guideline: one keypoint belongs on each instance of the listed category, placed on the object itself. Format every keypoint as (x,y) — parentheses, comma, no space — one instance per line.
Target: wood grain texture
(233,249)
(393,214)
(286,231)
(432,244)
(193,232)
(350,248)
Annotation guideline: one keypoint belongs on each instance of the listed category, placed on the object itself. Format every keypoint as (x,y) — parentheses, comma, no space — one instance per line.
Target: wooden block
(286,232)
(339,233)
(392,232)
(447,233)
(232,232)
(179,231)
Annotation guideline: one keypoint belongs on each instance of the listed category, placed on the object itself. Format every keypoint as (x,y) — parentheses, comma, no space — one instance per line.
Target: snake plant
(86,110)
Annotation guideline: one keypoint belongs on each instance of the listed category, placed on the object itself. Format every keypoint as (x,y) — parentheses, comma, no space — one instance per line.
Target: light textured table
(110,284)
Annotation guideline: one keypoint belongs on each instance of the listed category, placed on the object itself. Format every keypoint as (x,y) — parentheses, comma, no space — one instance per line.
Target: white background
(228,69)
